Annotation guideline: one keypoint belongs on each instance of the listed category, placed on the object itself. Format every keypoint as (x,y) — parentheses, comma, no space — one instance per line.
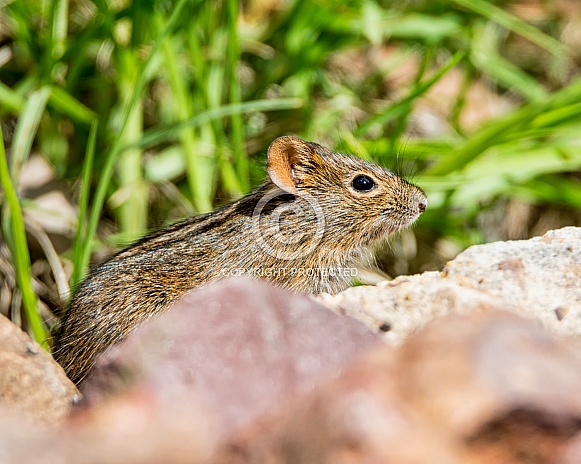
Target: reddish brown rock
(23,441)
(238,346)
(140,428)
(501,385)
(486,388)
(572,452)
(133,429)
(31,382)
(356,418)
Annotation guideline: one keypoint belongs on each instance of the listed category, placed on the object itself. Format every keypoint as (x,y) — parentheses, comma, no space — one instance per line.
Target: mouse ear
(283,154)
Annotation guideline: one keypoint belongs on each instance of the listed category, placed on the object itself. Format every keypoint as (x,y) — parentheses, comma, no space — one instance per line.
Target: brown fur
(267,238)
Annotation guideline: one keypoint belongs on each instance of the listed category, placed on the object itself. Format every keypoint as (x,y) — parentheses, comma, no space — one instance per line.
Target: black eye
(362,183)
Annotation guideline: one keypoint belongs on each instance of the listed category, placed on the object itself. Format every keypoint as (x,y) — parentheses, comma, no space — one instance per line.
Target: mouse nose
(422,206)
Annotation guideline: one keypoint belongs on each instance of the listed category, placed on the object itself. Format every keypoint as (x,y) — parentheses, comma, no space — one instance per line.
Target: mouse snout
(422,205)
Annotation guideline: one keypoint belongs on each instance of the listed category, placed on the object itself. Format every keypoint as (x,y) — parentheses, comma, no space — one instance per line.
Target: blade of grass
(60,9)
(167,132)
(10,100)
(19,13)
(62,101)
(198,170)
(13,227)
(485,56)
(131,210)
(467,80)
(401,122)
(431,29)
(26,129)
(512,23)
(401,107)
(52,257)
(551,189)
(82,254)
(497,174)
(505,128)
(107,172)
(214,95)
(238,149)
(202,58)
(557,117)
(372,21)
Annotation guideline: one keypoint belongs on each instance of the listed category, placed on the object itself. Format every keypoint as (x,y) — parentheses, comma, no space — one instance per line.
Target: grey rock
(538,278)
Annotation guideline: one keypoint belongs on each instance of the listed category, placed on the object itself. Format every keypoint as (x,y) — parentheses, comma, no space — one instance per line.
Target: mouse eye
(362,183)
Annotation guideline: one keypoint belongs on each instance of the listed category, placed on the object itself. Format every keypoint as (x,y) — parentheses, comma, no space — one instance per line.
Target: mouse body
(304,228)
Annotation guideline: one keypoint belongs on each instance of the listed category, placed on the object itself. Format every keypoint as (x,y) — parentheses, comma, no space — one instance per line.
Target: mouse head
(361,201)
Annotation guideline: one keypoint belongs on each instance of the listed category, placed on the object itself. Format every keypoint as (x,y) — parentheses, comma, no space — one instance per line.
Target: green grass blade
(558,117)
(61,101)
(480,142)
(164,133)
(60,9)
(402,106)
(132,194)
(486,58)
(82,254)
(512,23)
(107,172)
(10,100)
(214,134)
(238,136)
(505,128)
(431,29)
(552,189)
(13,225)
(26,129)
(198,168)
(401,122)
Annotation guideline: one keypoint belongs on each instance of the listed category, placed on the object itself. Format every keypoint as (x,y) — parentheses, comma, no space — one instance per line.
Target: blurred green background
(120,117)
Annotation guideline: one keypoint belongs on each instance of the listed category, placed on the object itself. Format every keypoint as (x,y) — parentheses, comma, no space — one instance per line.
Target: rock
(572,453)
(127,430)
(31,382)
(358,417)
(401,306)
(140,428)
(241,372)
(475,389)
(238,346)
(540,276)
(23,441)
(499,383)
(537,277)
